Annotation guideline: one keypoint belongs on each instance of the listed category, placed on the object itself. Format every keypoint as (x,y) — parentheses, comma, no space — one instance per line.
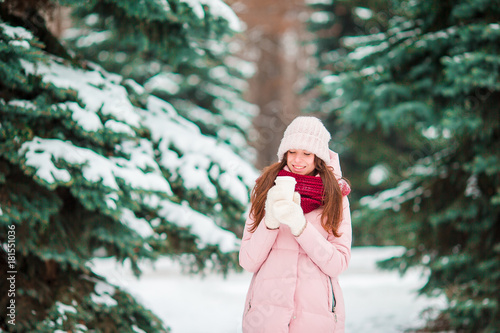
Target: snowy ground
(376,301)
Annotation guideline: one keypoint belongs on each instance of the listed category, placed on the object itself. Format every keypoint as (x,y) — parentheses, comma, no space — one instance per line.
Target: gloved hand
(291,214)
(274,195)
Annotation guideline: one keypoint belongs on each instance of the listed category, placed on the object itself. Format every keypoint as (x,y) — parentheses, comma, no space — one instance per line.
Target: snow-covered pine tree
(88,160)
(431,81)
(204,83)
(371,164)
(206,87)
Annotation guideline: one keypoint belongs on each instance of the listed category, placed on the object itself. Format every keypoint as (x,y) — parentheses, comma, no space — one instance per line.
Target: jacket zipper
(333,299)
(251,295)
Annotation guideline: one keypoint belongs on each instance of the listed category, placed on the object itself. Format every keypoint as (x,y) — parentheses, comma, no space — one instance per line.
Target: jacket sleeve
(255,247)
(331,254)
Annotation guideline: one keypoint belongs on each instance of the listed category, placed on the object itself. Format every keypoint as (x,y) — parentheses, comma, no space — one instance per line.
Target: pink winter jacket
(295,287)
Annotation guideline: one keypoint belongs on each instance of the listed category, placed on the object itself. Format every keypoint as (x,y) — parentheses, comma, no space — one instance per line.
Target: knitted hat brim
(306,142)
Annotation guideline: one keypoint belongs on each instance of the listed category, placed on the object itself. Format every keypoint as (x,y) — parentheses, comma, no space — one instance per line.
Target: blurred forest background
(136,130)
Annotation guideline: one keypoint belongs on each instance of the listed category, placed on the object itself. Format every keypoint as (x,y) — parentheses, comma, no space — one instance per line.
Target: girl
(297,245)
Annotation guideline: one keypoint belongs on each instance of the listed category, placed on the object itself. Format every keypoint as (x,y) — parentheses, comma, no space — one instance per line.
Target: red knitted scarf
(310,189)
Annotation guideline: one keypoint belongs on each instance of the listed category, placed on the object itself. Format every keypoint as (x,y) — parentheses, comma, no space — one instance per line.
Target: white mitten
(274,194)
(291,214)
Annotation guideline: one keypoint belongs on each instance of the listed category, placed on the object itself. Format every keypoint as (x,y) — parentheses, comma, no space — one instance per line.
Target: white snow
(319,2)
(394,197)
(137,329)
(164,5)
(196,7)
(221,74)
(20,43)
(16,32)
(92,19)
(197,113)
(193,171)
(219,9)
(378,174)
(91,38)
(245,68)
(86,119)
(80,328)
(136,87)
(202,226)
(176,144)
(42,160)
(472,189)
(139,225)
(103,293)
(40,154)
(119,127)
(370,70)
(363,13)
(172,131)
(63,308)
(167,82)
(331,79)
(376,301)
(238,113)
(103,299)
(360,40)
(25,104)
(320,17)
(364,51)
(96,88)
(104,288)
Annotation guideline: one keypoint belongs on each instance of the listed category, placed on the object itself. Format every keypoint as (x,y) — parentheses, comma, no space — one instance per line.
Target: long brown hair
(331,218)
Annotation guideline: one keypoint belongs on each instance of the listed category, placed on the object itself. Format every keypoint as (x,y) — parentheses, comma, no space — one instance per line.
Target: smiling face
(300,161)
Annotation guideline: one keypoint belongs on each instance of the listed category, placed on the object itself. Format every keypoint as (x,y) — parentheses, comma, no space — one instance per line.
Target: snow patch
(139,225)
(392,198)
(167,82)
(196,7)
(378,174)
(103,293)
(164,5)
(364,51)
(219,9)
(119,127)
(376,301)
(196,152)
(363,13)
(63,308)
(20,43)
(22,104)
(208,232)
(97,88)
(40,154)
(319,2)
(93,38)
(320,17)
(86,119)
(16,32)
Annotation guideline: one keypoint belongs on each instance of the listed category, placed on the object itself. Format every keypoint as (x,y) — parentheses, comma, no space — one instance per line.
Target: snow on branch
(152,147)
(203,227)
(42,155)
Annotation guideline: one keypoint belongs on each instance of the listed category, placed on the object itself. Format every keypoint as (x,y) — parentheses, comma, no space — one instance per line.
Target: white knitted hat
(307,133)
